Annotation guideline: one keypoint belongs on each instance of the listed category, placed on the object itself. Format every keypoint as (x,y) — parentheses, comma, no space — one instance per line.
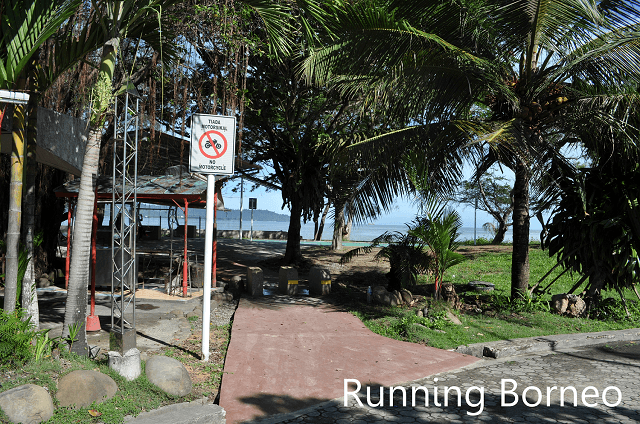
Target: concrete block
(288,280)
(254,281)
(319,281)
(127,365)
(197,275)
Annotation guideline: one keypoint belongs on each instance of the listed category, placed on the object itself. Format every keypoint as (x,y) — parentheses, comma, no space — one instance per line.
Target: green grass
(500,319)
(132,397)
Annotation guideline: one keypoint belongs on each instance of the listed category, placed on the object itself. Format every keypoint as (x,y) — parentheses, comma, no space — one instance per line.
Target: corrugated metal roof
(162,189)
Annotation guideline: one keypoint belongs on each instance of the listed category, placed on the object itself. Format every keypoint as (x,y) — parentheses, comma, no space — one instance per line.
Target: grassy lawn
(490,317)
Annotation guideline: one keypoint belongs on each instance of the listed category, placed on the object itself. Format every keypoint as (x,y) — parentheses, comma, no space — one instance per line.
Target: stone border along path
(594,366)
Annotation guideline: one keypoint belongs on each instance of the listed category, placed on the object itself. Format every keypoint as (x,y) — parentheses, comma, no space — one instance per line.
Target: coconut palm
(24,26)
(502,82)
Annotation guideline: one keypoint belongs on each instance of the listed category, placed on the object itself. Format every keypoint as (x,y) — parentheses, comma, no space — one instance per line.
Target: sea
(363,233)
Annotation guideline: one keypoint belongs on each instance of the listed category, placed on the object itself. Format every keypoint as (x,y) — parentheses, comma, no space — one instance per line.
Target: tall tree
(492,195)
(546,71)
(24,26)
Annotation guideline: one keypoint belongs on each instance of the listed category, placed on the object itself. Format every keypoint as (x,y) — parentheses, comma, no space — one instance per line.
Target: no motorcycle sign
(212,144)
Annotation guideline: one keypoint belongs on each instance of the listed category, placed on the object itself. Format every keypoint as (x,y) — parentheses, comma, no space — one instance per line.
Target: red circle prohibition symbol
(211,142)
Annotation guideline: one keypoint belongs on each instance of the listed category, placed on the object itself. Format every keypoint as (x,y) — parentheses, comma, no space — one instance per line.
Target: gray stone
(195,412)
(569,304)
(407,297)
(481,285)
(82,388)
(452,318)
(127,365)
(381,295)
(396,298)
(236,283)
(169,375)
(29,404)
(43,282)
(559,303)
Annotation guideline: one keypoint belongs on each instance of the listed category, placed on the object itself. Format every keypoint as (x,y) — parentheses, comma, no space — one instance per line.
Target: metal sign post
(253,205)
(212,152)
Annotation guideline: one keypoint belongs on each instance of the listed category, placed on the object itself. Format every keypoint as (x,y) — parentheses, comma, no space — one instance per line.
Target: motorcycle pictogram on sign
(215,144)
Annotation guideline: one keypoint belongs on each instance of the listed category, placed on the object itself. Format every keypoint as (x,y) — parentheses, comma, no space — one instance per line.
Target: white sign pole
(208,265)
(212,152)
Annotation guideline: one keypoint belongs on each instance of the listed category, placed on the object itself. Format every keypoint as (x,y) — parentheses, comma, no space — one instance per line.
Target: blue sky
(404,210)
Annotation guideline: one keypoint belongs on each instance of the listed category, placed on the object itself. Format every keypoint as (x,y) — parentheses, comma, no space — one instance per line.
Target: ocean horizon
(361,233)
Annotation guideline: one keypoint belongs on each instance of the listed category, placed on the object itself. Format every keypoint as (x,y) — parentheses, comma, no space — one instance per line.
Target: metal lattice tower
(123,229)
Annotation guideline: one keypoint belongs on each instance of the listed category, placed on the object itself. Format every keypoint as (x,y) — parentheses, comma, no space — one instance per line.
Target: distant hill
(230,214)
(258,215)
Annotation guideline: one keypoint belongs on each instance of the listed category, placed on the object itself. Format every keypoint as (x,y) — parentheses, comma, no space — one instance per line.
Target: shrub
(16,335)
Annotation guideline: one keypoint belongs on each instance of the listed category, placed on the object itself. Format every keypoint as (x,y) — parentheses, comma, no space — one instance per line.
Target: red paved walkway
(284,357)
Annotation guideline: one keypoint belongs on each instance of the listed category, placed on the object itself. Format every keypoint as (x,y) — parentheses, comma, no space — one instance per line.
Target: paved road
(612,368)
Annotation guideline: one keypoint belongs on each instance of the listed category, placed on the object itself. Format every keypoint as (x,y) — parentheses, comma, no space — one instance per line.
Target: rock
(43,282)
(396,298)
(221,297)
(577,307)
(177,313)
(27,404)
(236,283)
(407,297)
(454,319)
(420,313)
(560,303)
(169,375)
(481,286)
(569,304)
(425,311)
(82,388)
(381,295)
(450,296)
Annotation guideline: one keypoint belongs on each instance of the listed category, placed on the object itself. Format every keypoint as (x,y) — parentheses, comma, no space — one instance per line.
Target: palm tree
(24,26)
(119,19)
(507,83)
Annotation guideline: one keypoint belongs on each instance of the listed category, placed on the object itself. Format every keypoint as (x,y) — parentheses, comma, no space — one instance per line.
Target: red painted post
(68,258)
(184,263)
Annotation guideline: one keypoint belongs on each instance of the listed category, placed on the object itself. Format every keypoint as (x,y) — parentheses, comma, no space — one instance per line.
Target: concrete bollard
(319,281)
(127,365)
(288,281)
(254,281)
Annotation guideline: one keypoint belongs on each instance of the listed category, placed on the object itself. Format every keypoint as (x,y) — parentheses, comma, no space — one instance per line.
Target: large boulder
(82,388)
(29,404)
(169,375)
(407,297)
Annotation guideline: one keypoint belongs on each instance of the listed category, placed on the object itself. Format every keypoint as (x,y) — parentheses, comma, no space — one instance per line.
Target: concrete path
(287,353)
(604,379)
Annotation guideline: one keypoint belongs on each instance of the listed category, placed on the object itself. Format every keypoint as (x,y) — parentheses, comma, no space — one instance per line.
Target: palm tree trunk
(15,209)
(338,225)
(293,253)
(29,293)
(520,256)
(76,310)
(318,235)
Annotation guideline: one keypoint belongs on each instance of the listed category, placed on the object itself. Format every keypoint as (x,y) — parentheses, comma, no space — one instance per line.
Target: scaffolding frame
(123,228)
